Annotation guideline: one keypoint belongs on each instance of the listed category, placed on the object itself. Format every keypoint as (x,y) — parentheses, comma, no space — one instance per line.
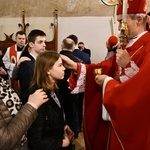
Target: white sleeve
(105,114)
(8,65)
(80,86)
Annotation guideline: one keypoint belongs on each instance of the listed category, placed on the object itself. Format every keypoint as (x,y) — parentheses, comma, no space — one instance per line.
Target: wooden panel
(6,43)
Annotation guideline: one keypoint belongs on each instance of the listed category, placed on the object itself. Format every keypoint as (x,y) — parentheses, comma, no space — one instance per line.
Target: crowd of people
(59,119)
(42,91)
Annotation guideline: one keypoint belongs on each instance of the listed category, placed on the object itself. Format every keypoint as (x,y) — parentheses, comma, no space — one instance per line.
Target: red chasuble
(128,103)
(13,52)
(97,132)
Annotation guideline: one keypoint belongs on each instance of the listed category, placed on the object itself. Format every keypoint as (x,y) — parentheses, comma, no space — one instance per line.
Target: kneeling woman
(49,131)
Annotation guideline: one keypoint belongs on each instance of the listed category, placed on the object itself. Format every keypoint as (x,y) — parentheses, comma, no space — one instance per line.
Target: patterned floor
(79,142)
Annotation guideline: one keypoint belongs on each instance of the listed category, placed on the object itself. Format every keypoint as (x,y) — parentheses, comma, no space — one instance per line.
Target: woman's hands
(68,136)
(37,98)
(22,59)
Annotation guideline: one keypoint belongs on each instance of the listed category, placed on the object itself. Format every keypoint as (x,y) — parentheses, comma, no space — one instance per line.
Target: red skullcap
(113,40)
(133,7)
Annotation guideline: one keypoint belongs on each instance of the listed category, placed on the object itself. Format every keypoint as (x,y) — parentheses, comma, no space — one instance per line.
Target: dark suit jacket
(70,101)
(63,84)
(46,133)
(25,73)
(87,51)
(83,56)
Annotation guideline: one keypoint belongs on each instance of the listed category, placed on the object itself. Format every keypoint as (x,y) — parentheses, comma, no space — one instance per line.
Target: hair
(20,33)
(34,33)
(134,16)
(74,38)
(43,63)
(68,44)
(148,13)
(81,43)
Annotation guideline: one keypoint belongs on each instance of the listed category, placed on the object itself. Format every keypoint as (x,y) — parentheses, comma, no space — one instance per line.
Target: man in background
(83,56)
(71,101)
(86,60)
(81,46)
(12,55)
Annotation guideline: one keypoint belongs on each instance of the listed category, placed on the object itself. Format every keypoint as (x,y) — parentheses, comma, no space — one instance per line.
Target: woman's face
(57,72)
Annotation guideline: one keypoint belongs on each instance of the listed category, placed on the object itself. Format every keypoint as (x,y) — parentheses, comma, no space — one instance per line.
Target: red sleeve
(128,105)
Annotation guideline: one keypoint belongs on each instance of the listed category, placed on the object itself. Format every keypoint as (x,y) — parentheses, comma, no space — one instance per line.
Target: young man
(117,111)
(36,45)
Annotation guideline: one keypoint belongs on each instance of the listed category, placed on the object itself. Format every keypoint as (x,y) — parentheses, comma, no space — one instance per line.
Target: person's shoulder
(26,65)
(30,56)
(65,52)
(29,91)
(86,58)
(85,54)
(26,62)
(87,49)
(8,48)
(33,89)
(6,52)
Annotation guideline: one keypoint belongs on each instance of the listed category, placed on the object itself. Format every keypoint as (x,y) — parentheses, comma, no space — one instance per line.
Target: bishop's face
(132,25)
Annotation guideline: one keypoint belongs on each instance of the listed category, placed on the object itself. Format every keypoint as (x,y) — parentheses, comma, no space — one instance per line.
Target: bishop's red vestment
(127,103)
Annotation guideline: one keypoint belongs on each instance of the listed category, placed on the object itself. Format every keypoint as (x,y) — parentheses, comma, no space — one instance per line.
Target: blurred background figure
(3,71)
(77,52)
(12,55)
(83,49)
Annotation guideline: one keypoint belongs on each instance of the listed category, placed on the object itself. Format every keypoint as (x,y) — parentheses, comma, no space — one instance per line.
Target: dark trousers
(71,105)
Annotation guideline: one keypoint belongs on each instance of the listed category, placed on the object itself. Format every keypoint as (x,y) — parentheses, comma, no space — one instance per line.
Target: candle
(124,13)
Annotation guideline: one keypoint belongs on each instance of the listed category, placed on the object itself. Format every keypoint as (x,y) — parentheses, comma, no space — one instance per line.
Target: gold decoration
(145,8)
(98,71)
(110,2)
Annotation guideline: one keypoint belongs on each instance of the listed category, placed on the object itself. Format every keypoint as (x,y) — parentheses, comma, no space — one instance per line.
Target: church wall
(90,20)
(93,31)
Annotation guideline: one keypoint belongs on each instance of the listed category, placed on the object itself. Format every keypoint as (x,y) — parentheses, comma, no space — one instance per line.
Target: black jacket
(25,74)
(46,133)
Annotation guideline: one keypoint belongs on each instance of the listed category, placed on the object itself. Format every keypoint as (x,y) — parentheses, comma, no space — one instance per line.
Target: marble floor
(79,142)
